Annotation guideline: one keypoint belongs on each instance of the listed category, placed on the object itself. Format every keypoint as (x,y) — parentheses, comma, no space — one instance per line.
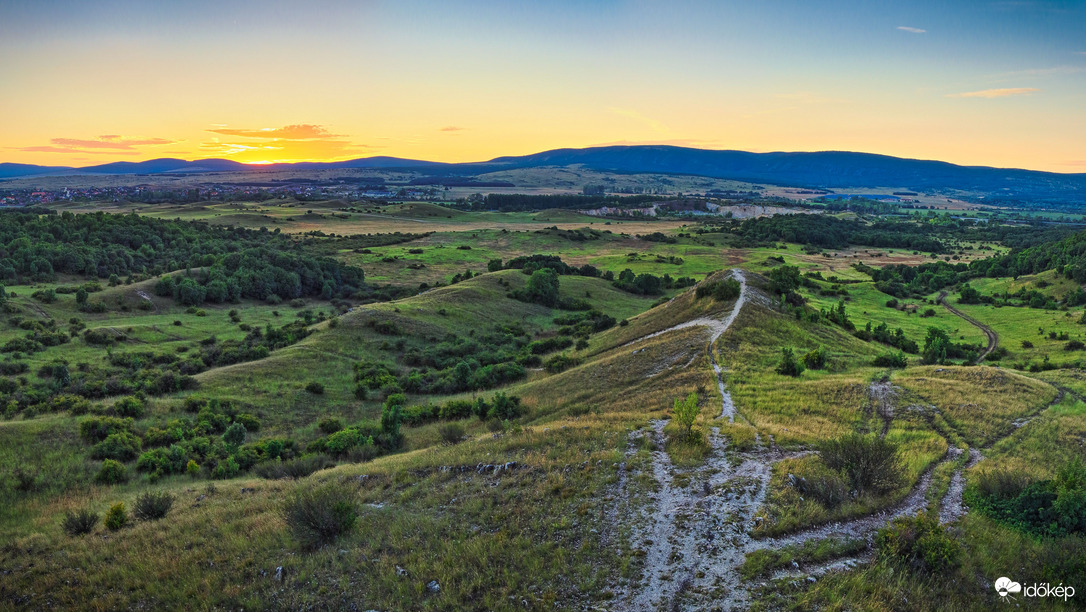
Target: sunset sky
(970,82)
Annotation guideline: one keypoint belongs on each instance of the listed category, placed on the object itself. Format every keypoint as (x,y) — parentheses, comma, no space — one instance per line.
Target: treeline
(37,245)
(832,233)
(517,202)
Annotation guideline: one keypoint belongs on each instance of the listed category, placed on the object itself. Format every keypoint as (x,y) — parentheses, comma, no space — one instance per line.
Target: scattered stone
(279,574)
(401,571)
(433,586)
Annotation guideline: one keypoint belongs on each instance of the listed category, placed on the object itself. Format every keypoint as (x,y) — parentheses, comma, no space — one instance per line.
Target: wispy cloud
(912,30)
(629,113)
(301,131)
(52,149)
(451,128)
(113,144)
(674,142)
(109,142)
(995,93)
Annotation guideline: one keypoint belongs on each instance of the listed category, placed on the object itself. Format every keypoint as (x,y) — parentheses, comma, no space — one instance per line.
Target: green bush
(891,360)
(295,468)
(451,433)
(821,483)
(456,409)
(128,407)
(117,517)
(320,515)
(870,463)
(815,359)
(329,425)
(80,522)
(315,388)
(788,366)
(111,472)
(122,446)
(919,543)
(685,413)
(151,506)
(227,468)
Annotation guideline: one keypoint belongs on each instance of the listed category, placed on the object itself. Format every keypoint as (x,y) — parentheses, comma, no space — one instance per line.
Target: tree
(685,413)
(788,365)
(543,287)
(234,435)
(81,296)
(936,345)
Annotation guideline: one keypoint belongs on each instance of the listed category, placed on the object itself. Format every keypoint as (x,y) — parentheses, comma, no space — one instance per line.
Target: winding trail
(993,338)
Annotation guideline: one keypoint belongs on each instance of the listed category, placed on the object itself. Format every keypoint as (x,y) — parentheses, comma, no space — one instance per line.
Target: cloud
(912,30)
(995,93)
(52,149)
(300,131)
(451,128)
(657,126)
(285,150)
(673,142)
(111,144)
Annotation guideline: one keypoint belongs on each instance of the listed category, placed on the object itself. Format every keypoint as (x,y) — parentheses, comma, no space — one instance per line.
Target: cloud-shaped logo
(1005,586)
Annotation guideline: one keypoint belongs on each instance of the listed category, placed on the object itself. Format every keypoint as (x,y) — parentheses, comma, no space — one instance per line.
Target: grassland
(540,511)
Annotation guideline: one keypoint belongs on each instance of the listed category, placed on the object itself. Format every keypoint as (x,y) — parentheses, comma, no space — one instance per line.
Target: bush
(111,472)
(315,388)
(870,463)
(891,360)
(815,359)
(117,517)
(152,506)
(451,433)
(329,425)
(685,413)
(822,484)
(1074,345)
(721,291)
(318,516)
(295,468)
(128,407)
(122,446)
(456,409)
(788,366)
(80,522)
(919,543)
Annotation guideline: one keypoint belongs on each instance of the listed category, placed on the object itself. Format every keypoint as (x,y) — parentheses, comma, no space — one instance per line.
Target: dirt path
(993,338)
(696,529)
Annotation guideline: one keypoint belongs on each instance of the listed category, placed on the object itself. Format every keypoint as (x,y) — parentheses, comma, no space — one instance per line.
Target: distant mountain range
(826,169)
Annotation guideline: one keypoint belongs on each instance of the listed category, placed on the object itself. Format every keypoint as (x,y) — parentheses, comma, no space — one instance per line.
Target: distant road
(993,338)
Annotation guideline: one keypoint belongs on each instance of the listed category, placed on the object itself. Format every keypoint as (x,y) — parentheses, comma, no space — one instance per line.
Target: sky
(996,83)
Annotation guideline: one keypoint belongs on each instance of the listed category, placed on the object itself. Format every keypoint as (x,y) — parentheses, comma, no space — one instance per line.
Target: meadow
(397,397)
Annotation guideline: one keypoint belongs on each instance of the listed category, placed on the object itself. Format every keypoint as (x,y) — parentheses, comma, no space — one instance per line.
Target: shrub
(815,359)
(329,425)
(117,517)
(1026,344)
(80,522)
(151,506)
(122,446)
(891,360)
(451,433)
(295,468)
(870,463)
(685,413)
(128,407)
(227,468)
(1074,345)
(456,409)
(504,406)
(788,366)
(822,484)
(111,472)
(234,435)
(920,543)
(192,468)
(315,388)
(721,291)
(318,516)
